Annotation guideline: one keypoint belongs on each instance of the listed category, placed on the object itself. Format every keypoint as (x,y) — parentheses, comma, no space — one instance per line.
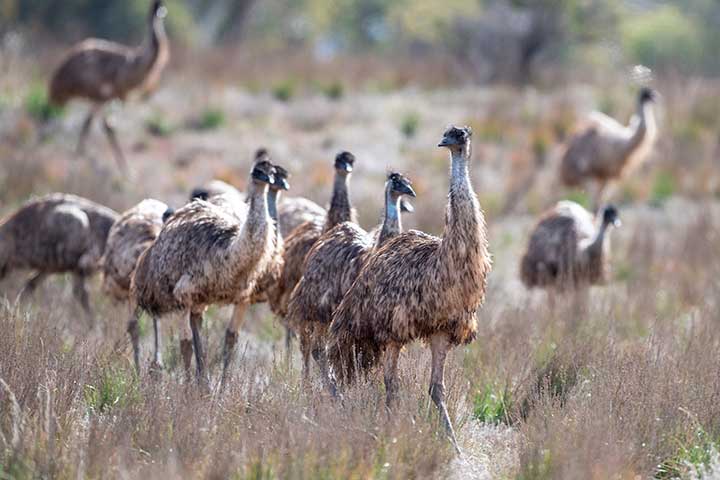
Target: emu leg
(115,145)
(305,351)
(318,353)
(186,350)
(195,325)
(32,284)
(133,329)
(80,149)
(439,347)
(156,367)
(231,336)
(599,196)
(81,294)
(390,365)
(289,335)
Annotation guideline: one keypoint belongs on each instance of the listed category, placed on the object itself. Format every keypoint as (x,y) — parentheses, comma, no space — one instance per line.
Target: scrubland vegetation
(627,388)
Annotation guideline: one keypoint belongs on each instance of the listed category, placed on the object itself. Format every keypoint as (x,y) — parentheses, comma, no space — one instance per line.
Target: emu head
(456,138)
(400,185)
(611,216)
(647,95)
(157,10)
(169,212)
(263,173)
(344,162)
(199,193)
(281,179)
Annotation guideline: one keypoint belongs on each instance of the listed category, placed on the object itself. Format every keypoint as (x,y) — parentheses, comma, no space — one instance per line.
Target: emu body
(57,233)
(417,286)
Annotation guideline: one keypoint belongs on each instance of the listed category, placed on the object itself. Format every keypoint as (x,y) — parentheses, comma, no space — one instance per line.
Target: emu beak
(347,167)
(408,190)
(283,183)
(162,12)
(406,206)
(617,223)
(444,143)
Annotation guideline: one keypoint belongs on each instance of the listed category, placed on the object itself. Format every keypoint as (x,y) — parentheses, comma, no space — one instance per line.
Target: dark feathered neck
(273,197)
(340,209)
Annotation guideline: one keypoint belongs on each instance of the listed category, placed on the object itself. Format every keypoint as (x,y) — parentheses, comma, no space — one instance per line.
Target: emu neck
(273,197)
(340,209)
(392,223)
(593,251)
(151,47)
(258,217)
(464,242)
(645,128)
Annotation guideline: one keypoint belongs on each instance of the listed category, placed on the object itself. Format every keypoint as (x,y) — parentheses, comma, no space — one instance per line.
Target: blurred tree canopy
(496,40)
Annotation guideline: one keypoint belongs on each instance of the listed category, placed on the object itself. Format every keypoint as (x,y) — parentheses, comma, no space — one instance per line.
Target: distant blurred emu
(56,233)
(567,250)
(605,150)
(100,71)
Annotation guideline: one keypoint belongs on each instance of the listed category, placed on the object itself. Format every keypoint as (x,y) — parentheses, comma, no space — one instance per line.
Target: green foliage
(334,90)
(663,188)
(694,454)
(114,387)
(409,124)
(38,105)
(210,119)
(158,126)
(664,39)
(491,405)
(284,91)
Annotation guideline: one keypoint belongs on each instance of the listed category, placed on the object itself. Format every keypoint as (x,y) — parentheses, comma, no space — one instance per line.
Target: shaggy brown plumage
(418,286)
(566,249)
(604,150)
(99,71)
(206,255)
(56,233)
(135,230)
(301,240)
(331,266)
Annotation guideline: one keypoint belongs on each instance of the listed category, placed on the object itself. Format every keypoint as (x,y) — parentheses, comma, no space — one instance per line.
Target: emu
(567,249)
(418,286)
(205,255)
(331,267)
(56,233)
(101,71)
(606,150)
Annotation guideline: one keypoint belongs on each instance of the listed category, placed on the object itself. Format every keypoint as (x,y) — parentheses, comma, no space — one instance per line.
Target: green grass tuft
(158,126)
(409,124)
(284,91)
(211,119)
(38,105)
(115,387)
(663,188)
(491,404)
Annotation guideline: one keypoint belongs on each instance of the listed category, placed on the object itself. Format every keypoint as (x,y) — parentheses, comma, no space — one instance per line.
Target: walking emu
(606,150)
(56,233)
(331,267)
(418,286)
(205,255)
(100,71)
(567,250)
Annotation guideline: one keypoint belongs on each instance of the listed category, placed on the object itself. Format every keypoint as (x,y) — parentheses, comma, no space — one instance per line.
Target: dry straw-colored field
(630,389)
